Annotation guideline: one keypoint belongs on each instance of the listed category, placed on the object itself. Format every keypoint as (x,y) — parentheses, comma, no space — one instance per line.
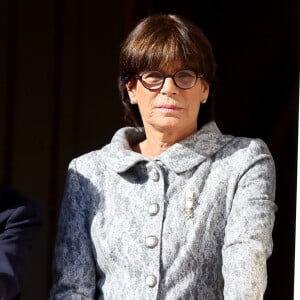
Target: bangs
(157,54)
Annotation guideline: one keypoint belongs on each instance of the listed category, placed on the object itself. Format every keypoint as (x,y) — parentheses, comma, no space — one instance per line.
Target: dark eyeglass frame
(164,76)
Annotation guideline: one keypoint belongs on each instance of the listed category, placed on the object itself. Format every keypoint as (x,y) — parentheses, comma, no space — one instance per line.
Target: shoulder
(243,154)
(110,155)
(247,146)
(88,163)
(18,211)
(249,149)
(16,207)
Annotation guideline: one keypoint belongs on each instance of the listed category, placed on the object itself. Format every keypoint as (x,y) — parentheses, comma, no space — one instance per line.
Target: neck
(157,142)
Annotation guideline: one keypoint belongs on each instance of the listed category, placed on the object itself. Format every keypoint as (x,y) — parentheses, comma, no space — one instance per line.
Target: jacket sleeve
(248,234)
(73,265)
(19,220)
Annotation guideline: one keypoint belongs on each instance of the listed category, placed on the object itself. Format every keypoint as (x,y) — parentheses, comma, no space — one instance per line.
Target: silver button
(153,209)
(154,175)
(151,280)
(151,241)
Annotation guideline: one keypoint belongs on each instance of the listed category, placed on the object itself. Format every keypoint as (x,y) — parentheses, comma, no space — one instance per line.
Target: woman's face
(169,109)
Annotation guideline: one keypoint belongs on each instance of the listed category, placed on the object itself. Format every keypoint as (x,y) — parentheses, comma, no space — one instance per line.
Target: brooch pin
(189,204)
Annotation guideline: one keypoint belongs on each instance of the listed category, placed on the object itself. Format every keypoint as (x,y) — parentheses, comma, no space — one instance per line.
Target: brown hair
(158,41)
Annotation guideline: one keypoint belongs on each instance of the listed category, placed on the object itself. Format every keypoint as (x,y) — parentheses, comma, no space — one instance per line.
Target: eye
(185,75)
(152,76)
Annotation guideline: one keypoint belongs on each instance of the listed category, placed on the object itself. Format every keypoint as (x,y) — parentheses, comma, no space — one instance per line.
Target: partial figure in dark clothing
(19,220)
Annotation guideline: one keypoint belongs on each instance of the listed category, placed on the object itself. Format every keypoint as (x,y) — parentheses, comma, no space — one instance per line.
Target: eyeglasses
(154,80)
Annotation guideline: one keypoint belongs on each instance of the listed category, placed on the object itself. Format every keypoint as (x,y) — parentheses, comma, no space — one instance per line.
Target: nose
(169,86)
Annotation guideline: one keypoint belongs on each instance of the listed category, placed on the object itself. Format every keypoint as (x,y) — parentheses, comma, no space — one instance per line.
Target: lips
(169,107)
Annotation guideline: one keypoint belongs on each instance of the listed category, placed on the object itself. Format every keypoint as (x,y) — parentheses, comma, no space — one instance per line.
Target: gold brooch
(189,204)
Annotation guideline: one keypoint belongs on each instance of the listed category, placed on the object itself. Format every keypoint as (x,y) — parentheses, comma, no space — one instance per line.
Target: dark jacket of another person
(19,221)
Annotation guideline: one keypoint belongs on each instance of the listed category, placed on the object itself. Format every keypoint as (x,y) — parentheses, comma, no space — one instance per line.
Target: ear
(131,89)
(205,90)
(205,87)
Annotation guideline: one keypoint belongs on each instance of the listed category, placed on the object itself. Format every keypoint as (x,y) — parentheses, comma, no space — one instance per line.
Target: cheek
(144,97)
(145,107)
(195,107)
(196,97)
(195,102)
(202,93)
(144,104)
(140,93)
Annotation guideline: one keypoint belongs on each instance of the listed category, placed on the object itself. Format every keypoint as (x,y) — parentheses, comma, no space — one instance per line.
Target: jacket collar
(180,157)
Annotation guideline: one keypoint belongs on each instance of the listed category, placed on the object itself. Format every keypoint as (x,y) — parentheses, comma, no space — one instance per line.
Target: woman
(171,208)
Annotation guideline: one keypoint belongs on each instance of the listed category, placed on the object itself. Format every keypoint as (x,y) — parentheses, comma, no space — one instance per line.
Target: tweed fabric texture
(194,223)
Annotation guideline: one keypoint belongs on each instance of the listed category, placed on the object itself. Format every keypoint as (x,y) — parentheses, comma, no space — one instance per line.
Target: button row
(151,240)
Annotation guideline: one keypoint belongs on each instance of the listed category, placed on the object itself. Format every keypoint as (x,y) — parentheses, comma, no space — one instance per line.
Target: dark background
(59,99)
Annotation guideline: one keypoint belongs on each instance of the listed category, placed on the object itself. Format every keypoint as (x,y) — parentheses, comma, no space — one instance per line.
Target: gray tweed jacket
(194,223)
